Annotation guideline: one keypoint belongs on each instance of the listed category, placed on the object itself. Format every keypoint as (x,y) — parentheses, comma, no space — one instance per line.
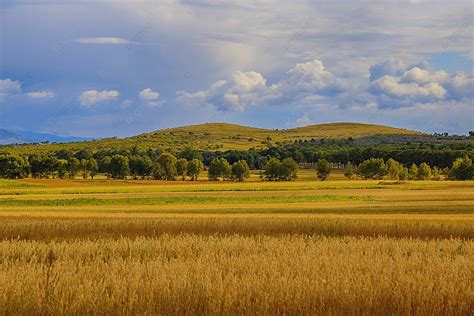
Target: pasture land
(305,247)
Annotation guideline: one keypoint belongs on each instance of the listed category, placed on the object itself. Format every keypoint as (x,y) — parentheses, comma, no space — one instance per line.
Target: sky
(120,68)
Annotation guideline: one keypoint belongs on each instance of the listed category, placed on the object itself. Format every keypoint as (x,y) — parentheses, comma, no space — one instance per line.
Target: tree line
(277,164)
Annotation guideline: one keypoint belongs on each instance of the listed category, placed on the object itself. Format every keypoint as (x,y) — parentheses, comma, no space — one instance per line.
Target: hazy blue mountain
(22,137)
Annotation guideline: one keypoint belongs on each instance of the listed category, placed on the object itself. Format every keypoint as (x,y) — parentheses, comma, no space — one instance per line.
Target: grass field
(305,247)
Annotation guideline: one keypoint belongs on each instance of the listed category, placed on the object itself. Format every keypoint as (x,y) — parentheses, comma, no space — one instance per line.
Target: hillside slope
(224,136)
(231,136)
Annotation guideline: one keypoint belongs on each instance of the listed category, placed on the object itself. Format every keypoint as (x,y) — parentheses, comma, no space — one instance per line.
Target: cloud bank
(245,89)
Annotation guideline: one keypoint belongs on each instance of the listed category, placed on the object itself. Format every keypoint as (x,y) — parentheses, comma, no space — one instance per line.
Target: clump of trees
(462,169)
(219,169)
(377,168)
(373,168)
(14,167)
(285,170)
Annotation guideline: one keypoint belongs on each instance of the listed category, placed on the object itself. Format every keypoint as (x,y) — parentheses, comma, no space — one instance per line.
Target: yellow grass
(305,247)
(191,274)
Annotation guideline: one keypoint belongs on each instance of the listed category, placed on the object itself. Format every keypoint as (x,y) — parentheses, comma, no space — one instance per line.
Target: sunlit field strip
(173,200)
(111,187)
(60,215)
(382,195)
(455,207)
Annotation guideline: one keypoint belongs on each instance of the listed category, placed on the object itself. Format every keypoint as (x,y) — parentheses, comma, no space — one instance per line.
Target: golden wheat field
(305,247)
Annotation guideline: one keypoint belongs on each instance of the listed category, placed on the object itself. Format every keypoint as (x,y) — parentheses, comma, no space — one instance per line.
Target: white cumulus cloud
(398,85)
(148,95)
(102,40)
(9,87)
(41,94)
(91,97)
(303,82)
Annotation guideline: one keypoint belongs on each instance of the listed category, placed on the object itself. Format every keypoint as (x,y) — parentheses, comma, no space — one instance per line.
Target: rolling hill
(224,136)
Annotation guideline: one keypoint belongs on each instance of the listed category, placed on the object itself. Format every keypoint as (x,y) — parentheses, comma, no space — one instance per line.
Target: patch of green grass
(17,184)
(170,200)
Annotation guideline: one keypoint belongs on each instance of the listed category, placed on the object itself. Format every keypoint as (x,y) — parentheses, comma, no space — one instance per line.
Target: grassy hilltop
(224,136)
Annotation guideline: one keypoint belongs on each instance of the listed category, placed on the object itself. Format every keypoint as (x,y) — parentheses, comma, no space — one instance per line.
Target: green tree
(119,167)
(134,163)
(104,166)
(323,169)
(240,171)
(181,167)
(349,171)
(141,166)
(272,170)
(13,167)
(394,169)
(298,156)
(93,167)
(373,168)
(436,173)
(219,169)
(404,173)
(158,173)
(413,175)
(50,165)
(194,168)
(62,168)
(168,166)
(424,171)
(146,167)
(462,169)
(84,169)
(288,170)
(73,167)
(38,166)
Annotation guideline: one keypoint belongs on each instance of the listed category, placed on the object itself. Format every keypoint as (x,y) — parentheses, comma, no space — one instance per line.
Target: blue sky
(118,68)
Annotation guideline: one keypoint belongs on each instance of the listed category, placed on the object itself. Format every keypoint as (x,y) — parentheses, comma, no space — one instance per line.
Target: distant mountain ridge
(21,137)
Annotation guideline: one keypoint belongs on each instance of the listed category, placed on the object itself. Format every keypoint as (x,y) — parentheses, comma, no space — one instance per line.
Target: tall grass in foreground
(191,274)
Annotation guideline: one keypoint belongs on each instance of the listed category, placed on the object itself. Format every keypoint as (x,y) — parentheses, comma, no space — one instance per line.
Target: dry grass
(191,274)
(50,227)
(149,247)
